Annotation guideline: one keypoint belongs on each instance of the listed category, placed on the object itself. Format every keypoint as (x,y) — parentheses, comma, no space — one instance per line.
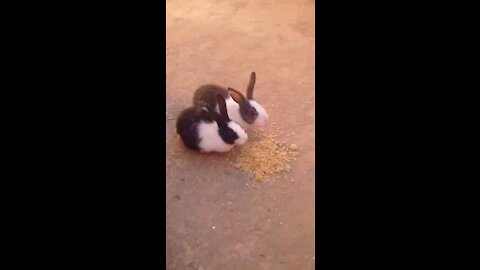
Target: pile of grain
(264,156)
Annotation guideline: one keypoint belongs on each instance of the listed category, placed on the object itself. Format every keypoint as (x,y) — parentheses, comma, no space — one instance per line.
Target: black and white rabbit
(208,131)
(243,110)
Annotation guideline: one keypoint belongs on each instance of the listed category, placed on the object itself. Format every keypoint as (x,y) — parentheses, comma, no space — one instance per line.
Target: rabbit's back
(206,95)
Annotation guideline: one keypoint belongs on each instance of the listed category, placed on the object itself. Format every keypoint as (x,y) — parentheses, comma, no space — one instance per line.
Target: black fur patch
(227,134)
(248,113)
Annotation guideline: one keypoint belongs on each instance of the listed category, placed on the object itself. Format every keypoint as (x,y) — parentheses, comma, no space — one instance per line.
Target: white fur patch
(210,140)
(262,114)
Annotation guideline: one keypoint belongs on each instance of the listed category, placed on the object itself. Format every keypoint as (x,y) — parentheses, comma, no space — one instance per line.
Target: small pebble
(213,227)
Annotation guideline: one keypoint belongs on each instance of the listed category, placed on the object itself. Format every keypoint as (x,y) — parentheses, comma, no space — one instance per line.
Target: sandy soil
(217,217)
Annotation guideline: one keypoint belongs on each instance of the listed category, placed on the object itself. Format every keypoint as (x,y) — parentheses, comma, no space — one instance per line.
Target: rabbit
(245,111)
(206,130)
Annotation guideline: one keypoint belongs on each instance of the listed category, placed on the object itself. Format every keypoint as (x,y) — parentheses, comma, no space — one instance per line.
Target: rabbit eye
(253,112)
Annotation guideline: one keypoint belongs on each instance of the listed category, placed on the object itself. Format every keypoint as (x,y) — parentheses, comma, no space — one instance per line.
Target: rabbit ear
(251,85)
(237,96)
(222,106)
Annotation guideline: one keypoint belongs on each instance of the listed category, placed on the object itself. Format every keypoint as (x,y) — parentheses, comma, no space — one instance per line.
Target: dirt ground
(217,217)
